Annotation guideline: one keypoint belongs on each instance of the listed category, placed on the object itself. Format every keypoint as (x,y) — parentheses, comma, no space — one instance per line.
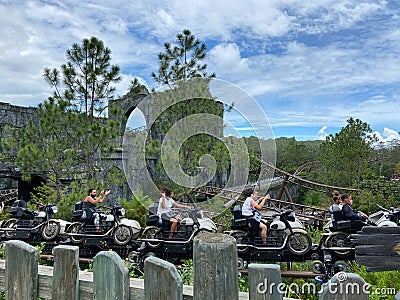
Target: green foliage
(385,159)
(379,281)
(183,60)
(186,272)
(366,201)
(44,194)
(2,251)
(49,144)
(316,198)
(136,209)
(343,156)
(243,282)
(135,272)
(66,204)
(88,79)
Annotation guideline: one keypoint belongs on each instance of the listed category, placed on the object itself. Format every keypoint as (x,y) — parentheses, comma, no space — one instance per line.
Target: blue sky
(309,64)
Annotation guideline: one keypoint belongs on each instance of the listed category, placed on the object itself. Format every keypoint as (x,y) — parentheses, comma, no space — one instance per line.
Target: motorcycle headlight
(55,209)
(122,211)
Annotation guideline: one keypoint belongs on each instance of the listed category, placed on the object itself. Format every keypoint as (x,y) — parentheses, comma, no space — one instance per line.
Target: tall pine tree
(87,81)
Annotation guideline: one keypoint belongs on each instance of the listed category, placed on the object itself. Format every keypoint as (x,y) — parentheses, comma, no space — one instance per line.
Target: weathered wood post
(345,286)
(21,271)
(215,267)
(161,280)
(66,273)
(378,248)
(110,277)
(264,281)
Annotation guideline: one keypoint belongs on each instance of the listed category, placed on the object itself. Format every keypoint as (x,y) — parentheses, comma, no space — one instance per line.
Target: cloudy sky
(309,64)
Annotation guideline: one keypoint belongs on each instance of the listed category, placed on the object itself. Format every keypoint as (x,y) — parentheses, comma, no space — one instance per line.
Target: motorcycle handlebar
(104,206)
(383,208)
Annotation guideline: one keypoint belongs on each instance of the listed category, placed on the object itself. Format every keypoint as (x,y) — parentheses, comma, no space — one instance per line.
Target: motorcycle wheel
(133,257)
(339,239)
(10,224)
(242,239)
(50,230)
(242,264)
(73,229)
(150,233)
(318,267)
(122,235)
(299,243)
(340,266)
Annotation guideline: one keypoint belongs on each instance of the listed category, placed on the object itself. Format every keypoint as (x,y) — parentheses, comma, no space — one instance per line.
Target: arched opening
(25,188)
(135,119)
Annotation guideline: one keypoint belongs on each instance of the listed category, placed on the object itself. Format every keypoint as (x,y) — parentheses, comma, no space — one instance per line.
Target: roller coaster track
(307,213)
(8,195)
(294,178)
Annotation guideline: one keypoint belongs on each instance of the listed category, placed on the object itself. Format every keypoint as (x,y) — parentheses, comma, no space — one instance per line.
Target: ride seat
(238,220)
(78,212)
(19,203)
(152,218)
(21,213)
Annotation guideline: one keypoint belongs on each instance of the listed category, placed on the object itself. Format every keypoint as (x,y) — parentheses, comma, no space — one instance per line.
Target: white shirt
(247,208)
(168,205)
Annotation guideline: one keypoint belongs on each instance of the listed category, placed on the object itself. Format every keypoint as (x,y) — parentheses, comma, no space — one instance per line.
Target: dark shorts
(255,225)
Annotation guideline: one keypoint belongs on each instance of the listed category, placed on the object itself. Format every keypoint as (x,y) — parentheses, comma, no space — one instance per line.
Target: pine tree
(87,79)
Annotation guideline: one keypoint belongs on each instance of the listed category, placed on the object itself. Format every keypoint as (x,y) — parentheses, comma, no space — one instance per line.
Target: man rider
(89,205)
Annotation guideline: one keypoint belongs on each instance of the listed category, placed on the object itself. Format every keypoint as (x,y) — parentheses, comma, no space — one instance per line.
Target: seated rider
(89,205)
(336,208)
(248,209)
(348,212)
(164,209)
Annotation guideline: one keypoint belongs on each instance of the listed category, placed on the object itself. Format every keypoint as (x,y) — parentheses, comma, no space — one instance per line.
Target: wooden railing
(214,267)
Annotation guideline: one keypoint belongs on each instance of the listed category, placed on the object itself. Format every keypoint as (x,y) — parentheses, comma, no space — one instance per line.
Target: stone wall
(386,187)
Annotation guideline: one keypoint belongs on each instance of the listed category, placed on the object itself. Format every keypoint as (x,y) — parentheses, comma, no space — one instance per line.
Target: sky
(310,64)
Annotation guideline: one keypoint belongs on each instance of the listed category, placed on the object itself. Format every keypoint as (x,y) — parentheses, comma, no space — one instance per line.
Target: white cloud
(386,137)
(227,60)
(321,134)
(308,62)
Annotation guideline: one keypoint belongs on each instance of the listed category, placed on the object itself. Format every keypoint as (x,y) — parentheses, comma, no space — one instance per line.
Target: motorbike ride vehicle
(385,217)
(113,229)
(336,237)
(30,225)
(336,245)
(156,235)
(287,239)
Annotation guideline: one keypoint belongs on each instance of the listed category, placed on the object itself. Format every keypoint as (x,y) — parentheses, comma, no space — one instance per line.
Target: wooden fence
(378,248)
(214,266)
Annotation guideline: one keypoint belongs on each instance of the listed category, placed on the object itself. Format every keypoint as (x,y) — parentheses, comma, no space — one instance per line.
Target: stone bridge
(18,117)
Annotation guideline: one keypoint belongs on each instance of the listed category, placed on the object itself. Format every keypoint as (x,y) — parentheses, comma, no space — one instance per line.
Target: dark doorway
(26,188)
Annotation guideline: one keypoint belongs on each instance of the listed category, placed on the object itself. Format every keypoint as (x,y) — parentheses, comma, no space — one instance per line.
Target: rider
(348,212)
(89,205)
(164,209)
(250,206)
(336,208)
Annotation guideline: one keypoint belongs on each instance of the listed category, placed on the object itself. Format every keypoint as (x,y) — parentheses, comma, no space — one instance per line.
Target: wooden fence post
(110,277)
(161,280)
(264,280)
(21,271)
(345,286)
(66,273)
(215,267)
(378,248)
(397,297)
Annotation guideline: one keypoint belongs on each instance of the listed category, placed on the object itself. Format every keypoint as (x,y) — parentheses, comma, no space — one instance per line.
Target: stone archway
(127,105)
